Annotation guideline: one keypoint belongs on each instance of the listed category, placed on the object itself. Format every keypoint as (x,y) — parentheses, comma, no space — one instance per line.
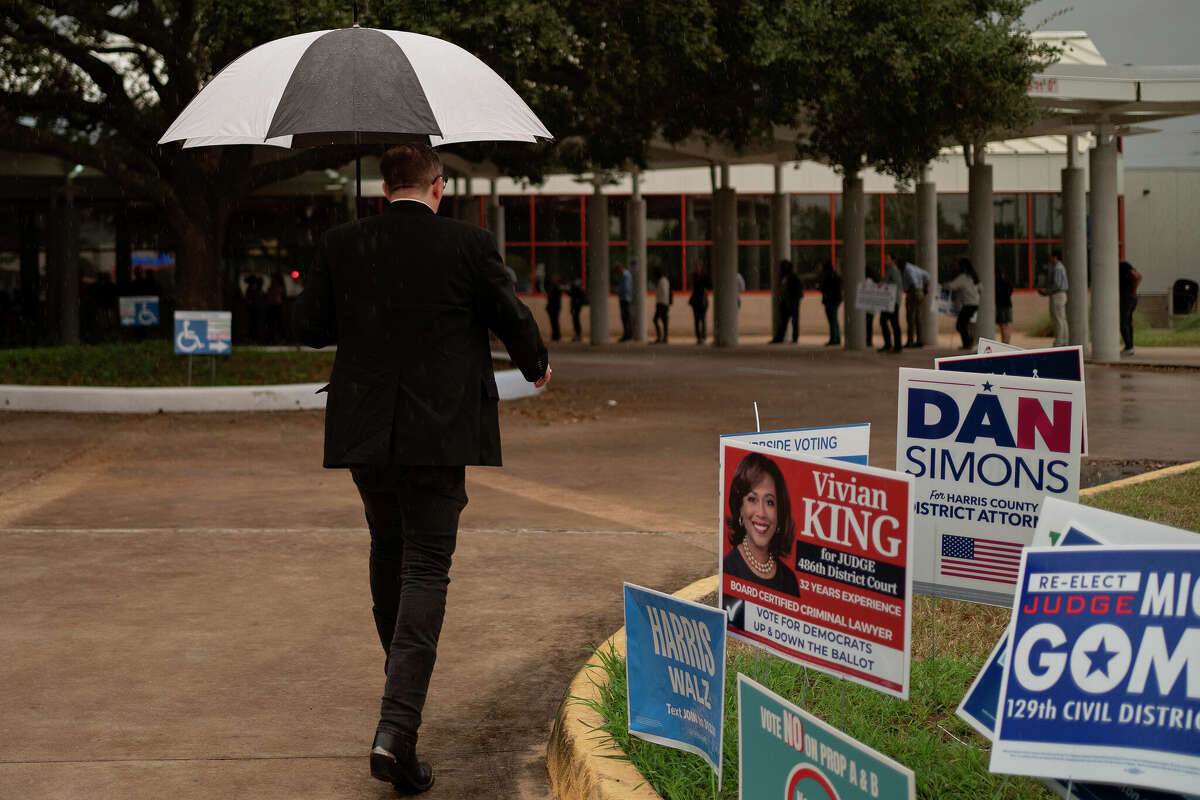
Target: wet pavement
(186,602)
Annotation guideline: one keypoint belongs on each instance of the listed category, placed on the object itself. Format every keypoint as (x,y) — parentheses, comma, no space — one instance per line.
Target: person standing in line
(1004,306)
(662,306)
(699,302)
(409,297)
(554,306)
(1128,280)
(791,291)
(966,284)
(889,321)
(831,298)
(625,300)
(916,282)
(1056,288)
(578,298)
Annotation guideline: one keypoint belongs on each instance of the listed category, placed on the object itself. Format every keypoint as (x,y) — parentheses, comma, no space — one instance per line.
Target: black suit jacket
(409,297)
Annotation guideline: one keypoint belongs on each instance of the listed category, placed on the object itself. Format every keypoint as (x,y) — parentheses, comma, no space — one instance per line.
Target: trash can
(1183,296)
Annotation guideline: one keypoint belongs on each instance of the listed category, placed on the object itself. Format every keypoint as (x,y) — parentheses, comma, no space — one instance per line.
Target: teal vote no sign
(788,754)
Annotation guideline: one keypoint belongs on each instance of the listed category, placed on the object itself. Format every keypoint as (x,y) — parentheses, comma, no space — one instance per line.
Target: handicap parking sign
(140,311)
(203,333)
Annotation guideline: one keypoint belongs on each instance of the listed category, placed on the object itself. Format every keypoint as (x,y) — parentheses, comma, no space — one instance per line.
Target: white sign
(875,297)
(988,346)
(985,450)
(842,442)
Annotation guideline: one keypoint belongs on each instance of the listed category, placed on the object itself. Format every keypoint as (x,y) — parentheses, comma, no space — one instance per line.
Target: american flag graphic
(981,559)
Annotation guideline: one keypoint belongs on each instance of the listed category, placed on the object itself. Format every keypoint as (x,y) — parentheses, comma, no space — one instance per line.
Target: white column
(781,243)
(854,263)
(927,253)
(597,264)
(724,259)
(1105,248)
(495,217)
(981,232)
(1074,233)
(635,225)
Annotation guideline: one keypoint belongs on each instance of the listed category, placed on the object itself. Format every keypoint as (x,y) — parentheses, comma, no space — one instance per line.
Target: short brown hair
(409,166)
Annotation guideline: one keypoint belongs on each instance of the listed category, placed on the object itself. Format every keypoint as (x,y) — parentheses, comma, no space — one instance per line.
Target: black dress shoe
(394,759)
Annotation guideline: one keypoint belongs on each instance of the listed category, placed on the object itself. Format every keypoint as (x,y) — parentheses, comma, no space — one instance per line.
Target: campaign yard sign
(1102,680)
(675,657)
(842,442)
(786,753)
(816,562)
(1061,363)
(984,451)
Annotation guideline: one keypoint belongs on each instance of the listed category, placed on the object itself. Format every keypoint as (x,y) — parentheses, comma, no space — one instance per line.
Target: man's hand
(542,381)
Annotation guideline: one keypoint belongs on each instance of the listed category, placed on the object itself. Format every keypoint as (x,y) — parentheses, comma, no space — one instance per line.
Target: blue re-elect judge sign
(675,659)
(1102,680)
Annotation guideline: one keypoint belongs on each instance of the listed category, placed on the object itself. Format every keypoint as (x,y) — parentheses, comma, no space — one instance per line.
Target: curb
(151,400)
(582,765)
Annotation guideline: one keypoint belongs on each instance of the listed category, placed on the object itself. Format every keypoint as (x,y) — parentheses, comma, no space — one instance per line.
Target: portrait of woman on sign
(759,529)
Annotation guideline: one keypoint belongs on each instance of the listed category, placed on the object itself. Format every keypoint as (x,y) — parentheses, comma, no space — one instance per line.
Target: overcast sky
(1144,33)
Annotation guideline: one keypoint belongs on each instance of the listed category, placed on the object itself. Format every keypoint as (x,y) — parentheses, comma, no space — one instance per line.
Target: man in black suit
(409,298)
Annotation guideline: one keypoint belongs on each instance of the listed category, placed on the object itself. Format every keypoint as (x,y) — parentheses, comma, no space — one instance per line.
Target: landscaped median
(147,377)
(592,756)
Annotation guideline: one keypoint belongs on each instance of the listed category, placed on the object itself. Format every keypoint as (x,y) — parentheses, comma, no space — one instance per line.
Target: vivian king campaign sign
(842,442)
(1102,680)
(816,562)
(675,656)
(786,753)
(984,450)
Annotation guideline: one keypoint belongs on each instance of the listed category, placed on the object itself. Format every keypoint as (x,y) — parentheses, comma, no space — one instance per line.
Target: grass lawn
(1184,334)
(951,640)
(154,363)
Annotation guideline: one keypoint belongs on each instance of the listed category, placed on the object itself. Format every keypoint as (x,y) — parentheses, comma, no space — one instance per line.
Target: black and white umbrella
(355,86)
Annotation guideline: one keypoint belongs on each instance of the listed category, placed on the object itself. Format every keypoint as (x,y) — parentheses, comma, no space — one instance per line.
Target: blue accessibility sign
(204,333)
(139,311)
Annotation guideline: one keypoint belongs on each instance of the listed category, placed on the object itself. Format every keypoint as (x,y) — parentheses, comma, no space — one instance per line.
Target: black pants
(626,320)
(413,516)
(831,316)
(963,324)
(1128,304)
(791,311)
(870,327)
(576,324)
(555,330)
(661,312)
(700,322)
(889,323)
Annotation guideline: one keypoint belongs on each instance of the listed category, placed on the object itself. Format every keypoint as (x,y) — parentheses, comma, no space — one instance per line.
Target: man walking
(409,298)
(625,299)
(916,281)
(1056,289)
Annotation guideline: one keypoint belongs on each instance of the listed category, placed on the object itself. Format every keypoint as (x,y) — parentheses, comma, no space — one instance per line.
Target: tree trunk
(199,232)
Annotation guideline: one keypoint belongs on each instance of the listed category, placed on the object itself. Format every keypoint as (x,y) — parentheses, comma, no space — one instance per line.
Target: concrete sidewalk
(186,601)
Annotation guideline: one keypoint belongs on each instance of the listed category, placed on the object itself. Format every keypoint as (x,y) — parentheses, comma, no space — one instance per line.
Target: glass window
(903,253)
(870,217)
(807,259)
(699,256)
(517,257)
(699,218)
(516,218)
(873,220)
(557,219)
(754,218)
(668,259)
(1009,220)
(564,263)
(810,217)
(948,255)
(754,265)
(1047,216)
(952,216)
(663,218)
(617,220)
(874,265)
(1010,260)
(900,216)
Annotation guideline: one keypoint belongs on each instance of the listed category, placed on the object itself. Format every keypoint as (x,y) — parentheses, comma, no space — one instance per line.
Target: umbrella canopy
(355,86)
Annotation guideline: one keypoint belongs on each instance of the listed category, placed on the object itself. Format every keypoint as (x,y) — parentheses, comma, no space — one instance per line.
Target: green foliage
(1170,500)
(154,363)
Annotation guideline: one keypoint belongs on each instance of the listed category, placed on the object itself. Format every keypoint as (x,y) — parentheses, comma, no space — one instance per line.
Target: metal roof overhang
(1078,98)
